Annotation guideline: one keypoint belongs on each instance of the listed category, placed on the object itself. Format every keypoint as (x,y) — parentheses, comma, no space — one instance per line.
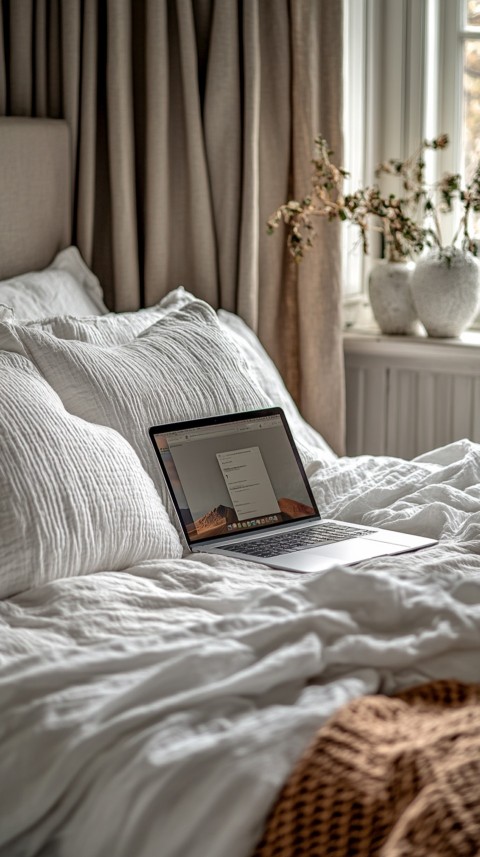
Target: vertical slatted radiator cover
(407,395)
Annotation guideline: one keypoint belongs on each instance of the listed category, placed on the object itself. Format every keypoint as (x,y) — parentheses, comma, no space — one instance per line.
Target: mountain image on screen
(292,509)
(216,521)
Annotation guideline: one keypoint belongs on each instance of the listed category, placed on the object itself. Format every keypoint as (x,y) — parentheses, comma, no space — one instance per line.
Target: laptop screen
(234,474)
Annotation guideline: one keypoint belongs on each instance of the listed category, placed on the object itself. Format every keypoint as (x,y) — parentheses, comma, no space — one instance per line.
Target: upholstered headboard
(35,192)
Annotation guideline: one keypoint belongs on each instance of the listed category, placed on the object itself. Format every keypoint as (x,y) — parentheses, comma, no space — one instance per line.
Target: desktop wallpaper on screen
(228,482)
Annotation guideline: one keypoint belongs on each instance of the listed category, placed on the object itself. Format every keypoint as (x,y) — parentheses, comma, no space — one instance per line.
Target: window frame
(403,76)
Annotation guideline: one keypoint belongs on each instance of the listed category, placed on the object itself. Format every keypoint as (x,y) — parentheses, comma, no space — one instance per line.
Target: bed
(158,703)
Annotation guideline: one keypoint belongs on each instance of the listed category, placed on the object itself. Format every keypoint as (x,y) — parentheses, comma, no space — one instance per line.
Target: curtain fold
(191,122)
(318,277)
(121,153)
(222,121)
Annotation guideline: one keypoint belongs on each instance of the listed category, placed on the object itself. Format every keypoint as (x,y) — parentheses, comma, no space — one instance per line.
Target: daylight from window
(411,71)
(471,89)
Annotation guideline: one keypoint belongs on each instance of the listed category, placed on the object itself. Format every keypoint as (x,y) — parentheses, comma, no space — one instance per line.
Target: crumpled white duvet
(157,711)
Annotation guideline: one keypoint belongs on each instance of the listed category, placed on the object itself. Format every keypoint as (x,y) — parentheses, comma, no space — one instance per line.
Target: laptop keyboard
(321,534)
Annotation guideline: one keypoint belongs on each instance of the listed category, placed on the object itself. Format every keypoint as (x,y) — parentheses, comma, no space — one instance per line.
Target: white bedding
(157,711)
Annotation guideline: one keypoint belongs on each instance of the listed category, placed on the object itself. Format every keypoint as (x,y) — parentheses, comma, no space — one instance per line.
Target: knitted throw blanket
(391,776)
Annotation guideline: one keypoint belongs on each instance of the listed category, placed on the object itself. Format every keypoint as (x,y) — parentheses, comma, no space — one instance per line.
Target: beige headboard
(35,193)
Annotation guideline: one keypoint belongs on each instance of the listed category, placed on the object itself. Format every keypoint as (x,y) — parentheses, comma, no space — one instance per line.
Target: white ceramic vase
(446,291)
(391,298)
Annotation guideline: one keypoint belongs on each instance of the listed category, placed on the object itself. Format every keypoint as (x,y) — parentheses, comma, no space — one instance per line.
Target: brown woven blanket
(391,776)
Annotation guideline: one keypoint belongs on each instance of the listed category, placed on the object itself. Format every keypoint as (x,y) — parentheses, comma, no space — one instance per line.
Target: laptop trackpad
(392,537)
(347,552)
(356,550)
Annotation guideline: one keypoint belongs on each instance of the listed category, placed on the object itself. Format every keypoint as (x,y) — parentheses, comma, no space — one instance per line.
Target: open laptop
(240,489)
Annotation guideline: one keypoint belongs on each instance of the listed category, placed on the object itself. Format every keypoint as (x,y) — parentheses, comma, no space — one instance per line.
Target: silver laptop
(240,489)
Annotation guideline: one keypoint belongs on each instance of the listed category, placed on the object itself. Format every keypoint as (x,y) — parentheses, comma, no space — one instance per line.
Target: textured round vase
(446,291)
(391,297)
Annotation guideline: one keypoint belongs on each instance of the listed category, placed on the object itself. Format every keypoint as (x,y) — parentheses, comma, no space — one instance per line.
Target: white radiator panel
(403,401)
(366,415)
(428,409)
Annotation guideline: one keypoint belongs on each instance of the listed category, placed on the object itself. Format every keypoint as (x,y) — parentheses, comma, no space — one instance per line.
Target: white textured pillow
(119,328)
(66,286)
(110,329)
(114,328)
(74,498)
(268,377)
(180,368)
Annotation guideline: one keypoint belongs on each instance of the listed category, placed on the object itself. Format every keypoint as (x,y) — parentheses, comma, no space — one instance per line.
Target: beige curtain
(192,120)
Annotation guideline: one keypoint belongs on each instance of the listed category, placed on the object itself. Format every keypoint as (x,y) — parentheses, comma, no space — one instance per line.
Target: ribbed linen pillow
(113,328)
(74,498)
(267,376)
(66,286)
(110,329)
(118,328)
(182,367)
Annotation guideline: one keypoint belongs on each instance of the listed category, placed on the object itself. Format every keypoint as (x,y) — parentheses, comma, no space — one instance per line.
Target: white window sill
(368,334)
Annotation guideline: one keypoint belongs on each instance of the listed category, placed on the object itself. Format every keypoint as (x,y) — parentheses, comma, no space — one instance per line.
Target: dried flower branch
(326,201)
(408,223)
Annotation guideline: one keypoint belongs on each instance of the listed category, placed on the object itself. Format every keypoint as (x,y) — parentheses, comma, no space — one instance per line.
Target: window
(470,124)
(411,70)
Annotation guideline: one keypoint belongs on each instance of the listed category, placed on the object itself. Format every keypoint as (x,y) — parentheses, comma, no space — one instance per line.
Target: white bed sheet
(158,711)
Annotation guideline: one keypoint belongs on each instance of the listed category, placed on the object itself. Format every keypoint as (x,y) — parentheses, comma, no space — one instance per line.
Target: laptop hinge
(231,539)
